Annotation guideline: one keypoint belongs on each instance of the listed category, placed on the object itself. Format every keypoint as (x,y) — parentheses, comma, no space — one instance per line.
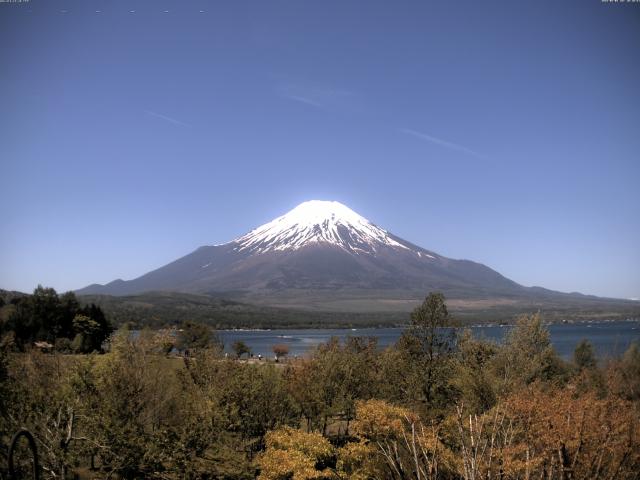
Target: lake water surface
(608,338)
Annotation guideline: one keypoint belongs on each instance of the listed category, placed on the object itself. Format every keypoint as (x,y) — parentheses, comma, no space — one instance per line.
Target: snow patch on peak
(318,221)
(316,212)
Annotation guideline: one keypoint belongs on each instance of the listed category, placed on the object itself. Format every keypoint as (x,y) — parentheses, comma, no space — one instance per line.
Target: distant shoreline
(406,325)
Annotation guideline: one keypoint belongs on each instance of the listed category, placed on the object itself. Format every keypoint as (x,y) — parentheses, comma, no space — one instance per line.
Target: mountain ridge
(326,252)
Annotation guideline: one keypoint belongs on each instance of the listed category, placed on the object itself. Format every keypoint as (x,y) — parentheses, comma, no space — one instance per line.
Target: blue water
(608,338)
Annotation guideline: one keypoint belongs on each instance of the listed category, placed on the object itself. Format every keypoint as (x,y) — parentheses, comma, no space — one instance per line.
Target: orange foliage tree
(295,455)
(551,434)
(406,447)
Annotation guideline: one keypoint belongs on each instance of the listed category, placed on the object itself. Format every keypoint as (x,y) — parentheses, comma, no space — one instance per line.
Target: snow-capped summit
(317,221)
(319,249)
(324,256)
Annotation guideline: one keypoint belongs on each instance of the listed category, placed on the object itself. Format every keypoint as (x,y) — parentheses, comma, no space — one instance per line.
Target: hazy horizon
(134,132)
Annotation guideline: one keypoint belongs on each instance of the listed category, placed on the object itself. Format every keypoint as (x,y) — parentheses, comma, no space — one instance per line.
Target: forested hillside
(59,321)
(161,309)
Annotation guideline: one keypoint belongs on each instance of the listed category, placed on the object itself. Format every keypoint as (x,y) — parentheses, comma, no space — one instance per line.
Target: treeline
(54,321)
(167,309)
(437,405)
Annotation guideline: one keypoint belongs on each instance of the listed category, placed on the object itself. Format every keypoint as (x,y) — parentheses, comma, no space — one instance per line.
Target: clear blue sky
(502,132)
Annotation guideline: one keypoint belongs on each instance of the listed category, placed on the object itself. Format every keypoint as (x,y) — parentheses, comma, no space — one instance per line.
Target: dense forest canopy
(57,320)
(429,407)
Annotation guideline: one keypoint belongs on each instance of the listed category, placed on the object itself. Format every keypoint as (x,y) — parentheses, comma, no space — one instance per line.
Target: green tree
(45,404)
(134,406)
(194,336)
(625,374)
(240,348)
(472,377)
(45,307)
(68,307)
(583,356)
(429,343)
(528,356)
(255,399)
(46,316)
(327,385)
(104,329)
(4,377)
(36,317)
(87,336)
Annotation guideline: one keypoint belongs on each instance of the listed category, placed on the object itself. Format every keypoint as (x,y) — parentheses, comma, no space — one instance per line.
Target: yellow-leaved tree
(551,433)
(387,441)
(292,454)
(400,444)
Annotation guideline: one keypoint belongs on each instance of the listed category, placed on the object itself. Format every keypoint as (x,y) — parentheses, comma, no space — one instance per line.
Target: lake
(608,338)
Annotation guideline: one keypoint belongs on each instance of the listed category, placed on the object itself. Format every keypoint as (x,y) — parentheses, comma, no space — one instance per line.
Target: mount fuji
(323,255)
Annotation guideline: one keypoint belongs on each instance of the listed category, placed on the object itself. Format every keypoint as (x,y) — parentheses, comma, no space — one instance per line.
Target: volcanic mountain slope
(323,253)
